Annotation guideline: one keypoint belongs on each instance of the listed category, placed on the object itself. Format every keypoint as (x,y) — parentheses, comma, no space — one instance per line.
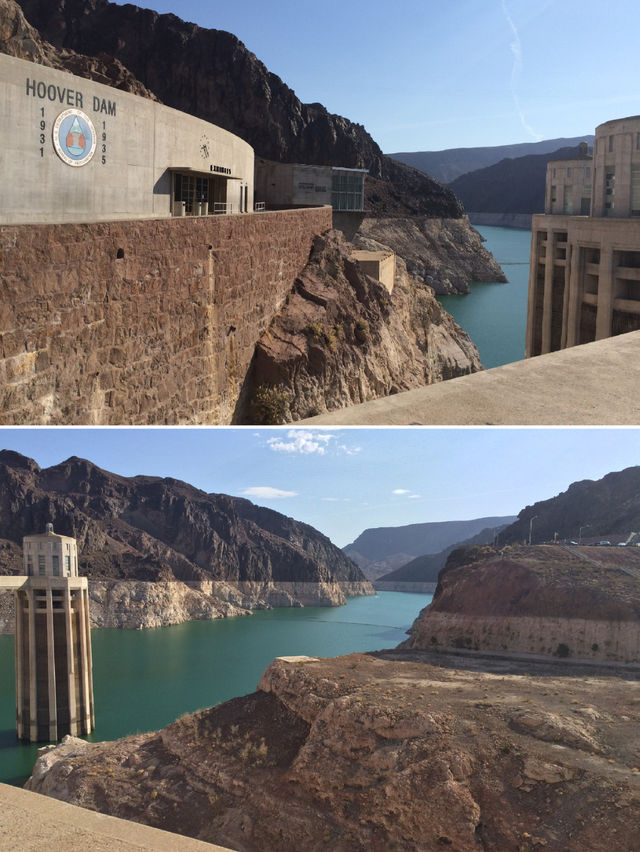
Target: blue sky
(344,481)
(435,74)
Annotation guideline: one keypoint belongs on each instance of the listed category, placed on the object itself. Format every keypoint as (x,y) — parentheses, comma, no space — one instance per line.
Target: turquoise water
(144,679)
(495,315)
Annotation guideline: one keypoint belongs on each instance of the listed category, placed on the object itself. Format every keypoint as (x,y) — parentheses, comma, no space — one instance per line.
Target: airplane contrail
(516,50)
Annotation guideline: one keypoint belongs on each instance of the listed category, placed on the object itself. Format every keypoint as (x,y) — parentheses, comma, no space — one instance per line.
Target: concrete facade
(281,185)
(594,384)
(54,681)
(584,277)
(30,822)
(78,151)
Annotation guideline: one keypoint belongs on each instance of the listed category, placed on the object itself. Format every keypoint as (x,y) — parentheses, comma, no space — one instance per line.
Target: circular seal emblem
(74,137)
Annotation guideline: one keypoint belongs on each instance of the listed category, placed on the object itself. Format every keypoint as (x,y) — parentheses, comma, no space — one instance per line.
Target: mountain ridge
(451,163)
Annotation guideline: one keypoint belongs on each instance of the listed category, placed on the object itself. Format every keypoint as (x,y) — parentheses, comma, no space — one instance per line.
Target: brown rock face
(550,600)
(379,753)
(148,529)
(211,74)
(341,339)
(607,508)
(18,38)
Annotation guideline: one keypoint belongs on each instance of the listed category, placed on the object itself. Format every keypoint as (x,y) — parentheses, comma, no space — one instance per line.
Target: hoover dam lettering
(68,97)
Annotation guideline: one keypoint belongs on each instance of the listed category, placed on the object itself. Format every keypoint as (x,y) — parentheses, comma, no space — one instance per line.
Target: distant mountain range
(382,549)
(510,186)
(451,163)
(425,569)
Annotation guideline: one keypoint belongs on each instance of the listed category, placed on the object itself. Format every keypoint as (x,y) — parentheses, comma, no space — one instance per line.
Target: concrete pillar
(547,301)
(531,296)
(86,685)
(604,316)
(71,660)
(33,690)
(572,258)
(20,662)
(571,324)
(51,669)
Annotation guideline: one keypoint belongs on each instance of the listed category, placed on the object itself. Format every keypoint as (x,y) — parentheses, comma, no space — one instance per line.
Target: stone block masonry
(141,322)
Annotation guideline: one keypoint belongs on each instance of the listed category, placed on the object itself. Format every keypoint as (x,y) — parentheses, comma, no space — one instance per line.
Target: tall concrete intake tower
(54,682)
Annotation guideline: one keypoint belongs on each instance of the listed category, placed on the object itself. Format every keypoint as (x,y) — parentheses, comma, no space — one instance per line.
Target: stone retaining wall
(141,322)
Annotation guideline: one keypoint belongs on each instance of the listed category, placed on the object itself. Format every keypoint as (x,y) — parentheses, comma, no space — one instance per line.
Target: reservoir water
(144,679)
(495,315)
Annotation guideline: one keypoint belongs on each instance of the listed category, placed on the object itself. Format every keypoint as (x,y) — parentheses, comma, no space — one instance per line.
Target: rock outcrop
(18,38)
(148,531)
(377,753)
(545,600)
(446,254)
(342,339)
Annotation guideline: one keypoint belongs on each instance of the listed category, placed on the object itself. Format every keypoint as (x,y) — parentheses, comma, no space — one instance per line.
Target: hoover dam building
(79,151)
(584,279)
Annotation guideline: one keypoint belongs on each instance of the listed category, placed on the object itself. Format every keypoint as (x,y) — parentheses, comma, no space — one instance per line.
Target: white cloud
(336,499)
(414,496)
(266,492)
(400,491)
(302,441)
(349,451)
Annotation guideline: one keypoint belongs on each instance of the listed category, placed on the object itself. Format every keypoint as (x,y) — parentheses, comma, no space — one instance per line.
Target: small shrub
(361,330)
(563,650)
(270,405)
(595,647)
(314,329)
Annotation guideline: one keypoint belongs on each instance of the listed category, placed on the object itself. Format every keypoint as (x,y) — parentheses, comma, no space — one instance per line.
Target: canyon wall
(141,322)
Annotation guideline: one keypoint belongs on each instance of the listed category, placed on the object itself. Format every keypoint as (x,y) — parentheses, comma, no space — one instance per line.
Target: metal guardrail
(259,206)
(222,207)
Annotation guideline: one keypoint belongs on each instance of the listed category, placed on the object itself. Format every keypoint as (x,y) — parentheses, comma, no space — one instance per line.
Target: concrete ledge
(594,384)
(30,822)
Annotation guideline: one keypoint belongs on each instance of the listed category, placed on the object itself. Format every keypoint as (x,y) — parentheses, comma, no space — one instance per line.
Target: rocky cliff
(446,254)
(342,339)
(380,753)
(608,508)
(18,38)
(544,600)
(145,530)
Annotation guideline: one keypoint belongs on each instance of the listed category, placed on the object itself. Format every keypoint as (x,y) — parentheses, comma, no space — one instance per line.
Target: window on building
(568,171)
(41,566)
(29,564)
(67,565)
(347,190)
(192,190)
(55,564)
(611,138)
(567,203)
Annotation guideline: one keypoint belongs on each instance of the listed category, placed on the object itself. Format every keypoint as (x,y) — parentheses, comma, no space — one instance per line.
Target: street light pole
(531,526)
(580,532)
